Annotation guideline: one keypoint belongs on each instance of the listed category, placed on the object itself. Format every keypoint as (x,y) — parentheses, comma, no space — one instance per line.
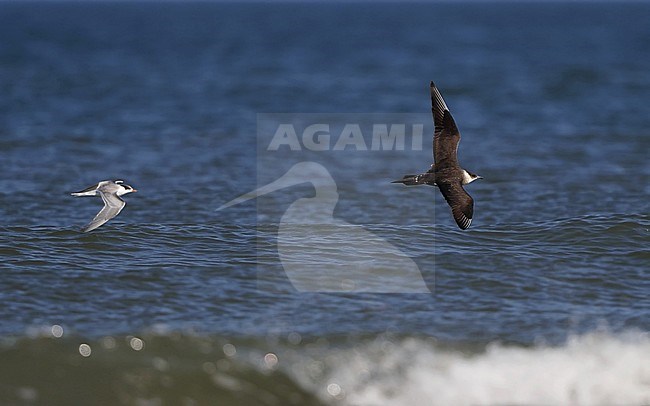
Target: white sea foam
(594,369)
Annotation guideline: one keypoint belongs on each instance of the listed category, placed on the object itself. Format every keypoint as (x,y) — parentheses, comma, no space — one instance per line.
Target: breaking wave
(181,368)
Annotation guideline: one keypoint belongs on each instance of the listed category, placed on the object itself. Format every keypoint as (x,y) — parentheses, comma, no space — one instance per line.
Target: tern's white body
(110,192)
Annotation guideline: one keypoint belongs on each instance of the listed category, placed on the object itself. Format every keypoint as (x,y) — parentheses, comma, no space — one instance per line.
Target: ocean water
(331,286)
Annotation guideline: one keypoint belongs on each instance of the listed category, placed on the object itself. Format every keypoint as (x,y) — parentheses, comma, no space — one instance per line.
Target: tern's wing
(446,136)
(91,190)
(461,203)
(113,205)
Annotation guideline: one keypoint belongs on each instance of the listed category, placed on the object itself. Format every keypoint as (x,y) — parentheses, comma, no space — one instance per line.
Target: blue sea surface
(175,302)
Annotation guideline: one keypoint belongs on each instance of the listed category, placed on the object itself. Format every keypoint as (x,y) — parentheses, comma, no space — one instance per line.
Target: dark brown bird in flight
(445,172)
